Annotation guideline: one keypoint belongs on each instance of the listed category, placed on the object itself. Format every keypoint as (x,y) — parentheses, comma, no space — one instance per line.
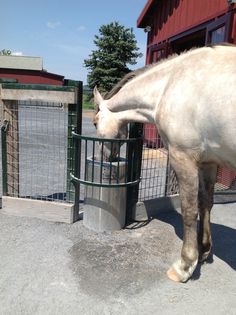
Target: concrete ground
(52,268)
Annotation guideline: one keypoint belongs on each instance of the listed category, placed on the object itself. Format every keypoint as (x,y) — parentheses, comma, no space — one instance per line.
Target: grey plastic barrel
(105,207)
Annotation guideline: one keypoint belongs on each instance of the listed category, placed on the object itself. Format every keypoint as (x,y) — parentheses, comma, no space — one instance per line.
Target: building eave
(142,19)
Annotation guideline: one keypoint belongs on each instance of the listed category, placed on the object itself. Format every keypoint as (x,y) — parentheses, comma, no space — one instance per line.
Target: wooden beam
(45,210)
(12,147)
(38,95)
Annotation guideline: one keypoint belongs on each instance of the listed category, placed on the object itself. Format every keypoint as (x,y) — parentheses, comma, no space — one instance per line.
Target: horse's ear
(97,97)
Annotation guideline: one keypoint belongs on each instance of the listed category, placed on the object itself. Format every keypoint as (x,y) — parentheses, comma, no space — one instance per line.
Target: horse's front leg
(186,170)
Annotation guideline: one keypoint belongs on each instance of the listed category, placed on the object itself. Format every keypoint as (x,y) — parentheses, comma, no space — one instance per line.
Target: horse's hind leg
(207,178)
(186,169)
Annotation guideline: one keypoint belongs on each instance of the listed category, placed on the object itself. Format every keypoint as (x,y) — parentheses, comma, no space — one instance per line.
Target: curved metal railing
(123,171)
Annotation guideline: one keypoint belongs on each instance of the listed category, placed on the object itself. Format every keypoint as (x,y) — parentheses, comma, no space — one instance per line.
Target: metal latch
(5,125)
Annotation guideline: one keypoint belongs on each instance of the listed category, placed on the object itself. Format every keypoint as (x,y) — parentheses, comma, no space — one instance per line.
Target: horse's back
(200,105)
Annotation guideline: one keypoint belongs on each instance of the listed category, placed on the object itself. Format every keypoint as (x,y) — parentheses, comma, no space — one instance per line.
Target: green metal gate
(36,143)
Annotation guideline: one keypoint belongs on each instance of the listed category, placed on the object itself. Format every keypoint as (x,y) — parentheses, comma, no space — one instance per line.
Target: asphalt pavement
(52,268)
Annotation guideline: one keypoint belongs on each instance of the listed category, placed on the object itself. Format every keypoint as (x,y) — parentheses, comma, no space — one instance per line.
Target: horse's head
(108,126)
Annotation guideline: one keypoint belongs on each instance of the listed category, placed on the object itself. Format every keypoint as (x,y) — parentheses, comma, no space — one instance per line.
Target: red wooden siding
(171,17)
(184,14)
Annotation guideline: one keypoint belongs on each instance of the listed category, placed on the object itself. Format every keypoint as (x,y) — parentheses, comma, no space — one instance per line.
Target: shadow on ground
(133,261)
(224,239)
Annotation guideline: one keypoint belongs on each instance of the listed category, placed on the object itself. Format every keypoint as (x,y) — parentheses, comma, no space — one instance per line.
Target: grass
(87,102)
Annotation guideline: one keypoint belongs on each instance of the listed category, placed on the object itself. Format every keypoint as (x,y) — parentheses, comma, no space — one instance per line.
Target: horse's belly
(222,154)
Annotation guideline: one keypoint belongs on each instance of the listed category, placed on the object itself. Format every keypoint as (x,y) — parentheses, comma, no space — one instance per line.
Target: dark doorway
(196,39)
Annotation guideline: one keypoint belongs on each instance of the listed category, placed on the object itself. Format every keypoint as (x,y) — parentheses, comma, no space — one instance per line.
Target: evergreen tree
(5,52)
(117,48)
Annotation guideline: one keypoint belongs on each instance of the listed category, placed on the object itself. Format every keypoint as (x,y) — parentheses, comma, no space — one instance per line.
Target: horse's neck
(130,109)
(132,115)
(138,102)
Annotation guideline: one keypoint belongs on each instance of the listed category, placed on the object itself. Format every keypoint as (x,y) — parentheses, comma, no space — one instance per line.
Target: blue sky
(62,32)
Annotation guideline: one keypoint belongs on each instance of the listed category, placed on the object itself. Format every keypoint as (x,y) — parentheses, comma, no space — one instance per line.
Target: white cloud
(53,24)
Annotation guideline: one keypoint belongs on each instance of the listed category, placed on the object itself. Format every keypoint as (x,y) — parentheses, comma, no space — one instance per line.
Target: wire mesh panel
(36,151)
(225,180)
(153,173)
(158,179)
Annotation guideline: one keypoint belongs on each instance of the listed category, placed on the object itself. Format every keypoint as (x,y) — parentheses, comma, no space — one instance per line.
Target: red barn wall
(171,20)
(171,17)
(32,77)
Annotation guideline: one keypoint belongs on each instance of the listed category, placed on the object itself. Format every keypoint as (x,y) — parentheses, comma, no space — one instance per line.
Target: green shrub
(87,101)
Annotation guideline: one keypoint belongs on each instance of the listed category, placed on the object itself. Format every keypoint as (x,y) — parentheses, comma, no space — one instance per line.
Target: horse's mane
(128,77)
(133,74)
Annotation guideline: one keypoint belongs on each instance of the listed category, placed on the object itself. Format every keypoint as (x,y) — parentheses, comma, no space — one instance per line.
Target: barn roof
(21,62)
(144,16)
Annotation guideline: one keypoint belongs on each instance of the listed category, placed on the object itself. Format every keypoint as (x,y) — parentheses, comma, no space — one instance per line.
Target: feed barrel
(105,207)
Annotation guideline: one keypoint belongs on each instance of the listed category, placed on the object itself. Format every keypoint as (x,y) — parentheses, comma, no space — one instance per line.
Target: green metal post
(72,119)
(78,148)
(73,152)
(134,168)
(4,159)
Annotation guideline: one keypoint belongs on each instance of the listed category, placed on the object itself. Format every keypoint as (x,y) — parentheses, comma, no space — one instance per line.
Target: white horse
(192,100)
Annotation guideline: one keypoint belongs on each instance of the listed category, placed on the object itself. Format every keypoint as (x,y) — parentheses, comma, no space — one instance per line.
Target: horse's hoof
(179,272)
(173,275)
(204,256)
